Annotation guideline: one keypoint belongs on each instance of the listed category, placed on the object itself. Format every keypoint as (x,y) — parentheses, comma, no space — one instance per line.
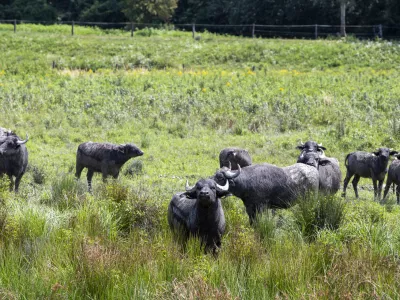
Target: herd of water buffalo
(198,210)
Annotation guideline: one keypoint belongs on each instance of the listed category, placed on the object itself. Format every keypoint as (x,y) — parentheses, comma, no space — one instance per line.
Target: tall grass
(182,101)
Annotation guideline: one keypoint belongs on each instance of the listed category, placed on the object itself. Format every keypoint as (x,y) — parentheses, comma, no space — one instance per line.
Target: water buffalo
(6,132)
(393,177)
(262,186)
(367,165)
(233,157)
(330,175)
(103,157)
(198,212)
(13,158)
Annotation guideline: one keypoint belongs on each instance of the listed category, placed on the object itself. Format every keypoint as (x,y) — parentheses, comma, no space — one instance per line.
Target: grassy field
(182,101)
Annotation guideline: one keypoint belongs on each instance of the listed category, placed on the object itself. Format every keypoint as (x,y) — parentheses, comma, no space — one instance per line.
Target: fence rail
(313,31)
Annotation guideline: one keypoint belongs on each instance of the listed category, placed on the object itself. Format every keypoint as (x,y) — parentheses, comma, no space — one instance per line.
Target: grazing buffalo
(367,165)
(330,175)
(103,157)
(198,212)
(13,158)
(232,157)
(263,186)
(393,177)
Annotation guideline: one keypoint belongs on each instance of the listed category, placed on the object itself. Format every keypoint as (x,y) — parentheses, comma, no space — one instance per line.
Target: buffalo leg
(79,169)
(89,179)
(387,188)
(375,189)
(346,182)
(355,181)
(380,184)
(11,183)
(17,181)
(398,193)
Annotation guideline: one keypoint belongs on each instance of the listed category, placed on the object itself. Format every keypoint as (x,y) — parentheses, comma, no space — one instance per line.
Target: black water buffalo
(263,186)
(13,158)
(330,175)
(6,132)
(367,165)
(232,157)
(393,177)
(198,212)
(103,157)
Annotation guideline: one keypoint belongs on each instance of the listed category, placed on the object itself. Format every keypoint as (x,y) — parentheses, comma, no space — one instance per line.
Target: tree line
(234,12)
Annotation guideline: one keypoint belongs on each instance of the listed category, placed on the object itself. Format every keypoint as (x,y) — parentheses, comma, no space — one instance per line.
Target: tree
(144,11)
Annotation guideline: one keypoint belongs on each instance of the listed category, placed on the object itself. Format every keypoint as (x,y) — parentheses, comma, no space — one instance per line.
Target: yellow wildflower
(281,89)
(180,73)
(204,90)
(228,84)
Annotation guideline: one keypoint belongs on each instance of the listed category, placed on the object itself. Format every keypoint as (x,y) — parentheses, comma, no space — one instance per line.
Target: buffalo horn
(188,187)
(24,141)
(224,188)
(230,174)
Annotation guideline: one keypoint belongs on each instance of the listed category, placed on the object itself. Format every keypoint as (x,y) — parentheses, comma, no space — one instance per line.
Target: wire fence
(314,31)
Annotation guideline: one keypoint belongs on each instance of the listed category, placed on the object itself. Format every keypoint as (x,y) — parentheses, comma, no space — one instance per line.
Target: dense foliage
(183,100)
(287,12)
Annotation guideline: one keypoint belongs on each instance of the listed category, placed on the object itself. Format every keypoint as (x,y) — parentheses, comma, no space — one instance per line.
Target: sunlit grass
(182,101)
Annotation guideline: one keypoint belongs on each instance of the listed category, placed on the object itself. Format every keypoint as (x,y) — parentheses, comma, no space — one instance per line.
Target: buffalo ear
(300,147)
(376,153)
(231,152)
(321,147)
(393,152)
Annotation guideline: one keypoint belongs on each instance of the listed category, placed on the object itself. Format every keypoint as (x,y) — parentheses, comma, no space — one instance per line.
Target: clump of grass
(311,215)
(195,287)
(265,226)
(135,168)
(38,174)
(132,209)
(66,192)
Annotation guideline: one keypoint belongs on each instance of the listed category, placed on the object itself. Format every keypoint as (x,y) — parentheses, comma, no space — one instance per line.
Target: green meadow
(183,100)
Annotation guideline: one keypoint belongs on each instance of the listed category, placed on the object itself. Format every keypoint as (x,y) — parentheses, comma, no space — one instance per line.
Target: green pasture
(182,100)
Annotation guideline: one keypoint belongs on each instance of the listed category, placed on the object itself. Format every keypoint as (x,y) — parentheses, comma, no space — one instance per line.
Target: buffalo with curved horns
(263,186)
(330,175)
(232,157)
(13,158)
(198,212)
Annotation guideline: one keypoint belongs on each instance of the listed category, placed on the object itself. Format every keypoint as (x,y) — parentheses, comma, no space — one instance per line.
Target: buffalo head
(130,150)
(206,191)
(11,144)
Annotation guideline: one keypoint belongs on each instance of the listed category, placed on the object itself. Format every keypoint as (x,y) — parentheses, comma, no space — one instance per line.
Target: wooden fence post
(316,31)
(380,31)
(253,31)
(72,28)
(193,29)
(132,29)
(15,26)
